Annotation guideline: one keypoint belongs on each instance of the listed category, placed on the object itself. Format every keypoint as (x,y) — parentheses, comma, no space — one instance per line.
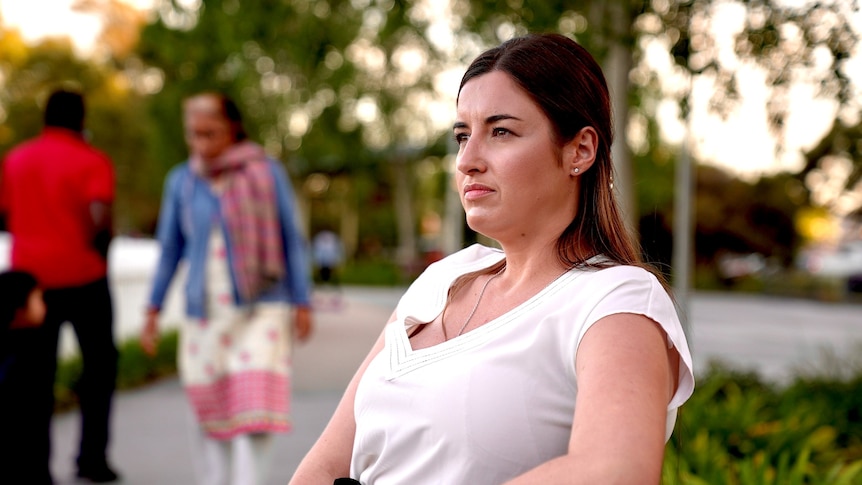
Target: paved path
(149,447)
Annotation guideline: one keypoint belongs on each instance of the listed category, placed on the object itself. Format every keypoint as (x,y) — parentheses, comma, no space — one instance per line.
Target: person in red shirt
(56,195)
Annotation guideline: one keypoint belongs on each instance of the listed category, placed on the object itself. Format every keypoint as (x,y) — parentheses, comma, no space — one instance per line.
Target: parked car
(842,262)
(732,265)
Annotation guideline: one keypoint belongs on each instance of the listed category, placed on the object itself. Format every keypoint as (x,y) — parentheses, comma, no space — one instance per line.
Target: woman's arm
(170,236)
(101,226)
(626,378)
(329,458)
(296,256)
(171,243)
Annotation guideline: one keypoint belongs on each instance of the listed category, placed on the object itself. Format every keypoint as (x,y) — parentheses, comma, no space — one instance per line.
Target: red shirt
(47,187)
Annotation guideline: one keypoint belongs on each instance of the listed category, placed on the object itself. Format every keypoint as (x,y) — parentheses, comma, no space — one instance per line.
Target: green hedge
(371,273)
(134,369)
(738,430)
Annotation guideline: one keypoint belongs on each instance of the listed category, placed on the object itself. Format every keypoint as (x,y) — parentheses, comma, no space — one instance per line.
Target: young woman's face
(509,169)
(208,135)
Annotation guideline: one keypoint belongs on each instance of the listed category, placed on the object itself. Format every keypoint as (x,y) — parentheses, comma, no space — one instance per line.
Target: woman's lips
(475,191)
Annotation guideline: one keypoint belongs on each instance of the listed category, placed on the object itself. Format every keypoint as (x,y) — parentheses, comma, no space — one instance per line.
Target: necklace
(478,300)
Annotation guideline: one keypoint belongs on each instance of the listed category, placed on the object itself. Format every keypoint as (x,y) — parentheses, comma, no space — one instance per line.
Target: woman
(559,359)
(229,213)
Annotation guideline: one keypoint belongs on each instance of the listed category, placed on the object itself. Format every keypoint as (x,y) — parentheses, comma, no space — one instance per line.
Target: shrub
(372,273)
(134,368)
(738,430)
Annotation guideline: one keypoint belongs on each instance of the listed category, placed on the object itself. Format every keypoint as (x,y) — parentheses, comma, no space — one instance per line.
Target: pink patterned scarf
(250,212)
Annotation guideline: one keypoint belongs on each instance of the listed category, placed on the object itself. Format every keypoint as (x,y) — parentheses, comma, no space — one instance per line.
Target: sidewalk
(149,446)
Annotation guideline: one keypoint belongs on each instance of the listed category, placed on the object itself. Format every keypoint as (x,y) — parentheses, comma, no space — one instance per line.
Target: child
(21,307)
(22,310)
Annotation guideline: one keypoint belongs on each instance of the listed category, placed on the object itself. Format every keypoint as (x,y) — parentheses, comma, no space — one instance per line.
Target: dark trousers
(88,308)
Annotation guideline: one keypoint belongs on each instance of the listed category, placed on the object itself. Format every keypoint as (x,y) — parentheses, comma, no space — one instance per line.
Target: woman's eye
(461,137)
(499,132)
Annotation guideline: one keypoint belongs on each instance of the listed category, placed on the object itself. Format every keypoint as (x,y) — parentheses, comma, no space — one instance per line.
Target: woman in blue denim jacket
(229,213)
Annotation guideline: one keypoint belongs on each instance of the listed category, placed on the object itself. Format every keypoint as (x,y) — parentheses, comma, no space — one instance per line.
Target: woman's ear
(580,153)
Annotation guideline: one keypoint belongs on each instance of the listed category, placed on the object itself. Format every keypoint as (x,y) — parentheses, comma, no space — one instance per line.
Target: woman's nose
(470,157)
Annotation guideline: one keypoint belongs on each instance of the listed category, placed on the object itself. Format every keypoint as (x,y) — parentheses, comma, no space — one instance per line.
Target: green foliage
(372,272)
(134,368)
(68,373)
(333,89)
(300,69)
(284,58)
(736,216)
(731,216)
(113,120)
(736,429)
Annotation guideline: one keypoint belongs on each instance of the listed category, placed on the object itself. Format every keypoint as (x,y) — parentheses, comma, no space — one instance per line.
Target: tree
(30,74)
(808,43)
(332,88)
(811,42)
(738,217)
(833,169)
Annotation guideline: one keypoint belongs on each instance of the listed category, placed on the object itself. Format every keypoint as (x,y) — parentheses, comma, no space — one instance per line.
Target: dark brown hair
(568,85)
(15,289)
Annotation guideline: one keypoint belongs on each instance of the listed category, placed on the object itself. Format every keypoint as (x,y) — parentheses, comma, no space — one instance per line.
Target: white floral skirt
(235,364)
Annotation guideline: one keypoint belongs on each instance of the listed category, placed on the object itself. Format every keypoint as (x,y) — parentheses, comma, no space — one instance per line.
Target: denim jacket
(188,211)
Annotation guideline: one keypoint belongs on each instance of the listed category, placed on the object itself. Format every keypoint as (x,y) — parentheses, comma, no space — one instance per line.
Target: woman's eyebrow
(488,121)
(495,118)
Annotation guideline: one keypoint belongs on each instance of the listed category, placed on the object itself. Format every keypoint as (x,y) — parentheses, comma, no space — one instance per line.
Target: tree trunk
(617,66)
(399,169)
(348,227)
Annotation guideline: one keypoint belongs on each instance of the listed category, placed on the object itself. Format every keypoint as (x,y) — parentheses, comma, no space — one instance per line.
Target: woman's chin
(484,225)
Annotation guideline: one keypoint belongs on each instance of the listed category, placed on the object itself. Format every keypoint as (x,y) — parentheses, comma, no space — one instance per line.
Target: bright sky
(741,143)
(40,18)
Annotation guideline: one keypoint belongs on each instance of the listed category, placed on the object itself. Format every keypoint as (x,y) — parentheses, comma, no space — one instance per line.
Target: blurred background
(357,99)
(738,143)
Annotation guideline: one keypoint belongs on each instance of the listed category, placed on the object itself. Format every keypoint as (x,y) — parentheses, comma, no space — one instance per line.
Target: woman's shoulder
(273,167)
(179,169)
(627,271)
(177,173)
(621,279)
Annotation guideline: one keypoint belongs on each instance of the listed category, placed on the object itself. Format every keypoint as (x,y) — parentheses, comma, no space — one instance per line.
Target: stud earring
(575,171)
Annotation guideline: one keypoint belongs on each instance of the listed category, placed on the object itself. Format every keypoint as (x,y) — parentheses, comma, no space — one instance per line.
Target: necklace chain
(478,300)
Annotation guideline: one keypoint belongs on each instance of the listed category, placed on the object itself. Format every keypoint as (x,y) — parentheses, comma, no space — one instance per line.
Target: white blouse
(495,402)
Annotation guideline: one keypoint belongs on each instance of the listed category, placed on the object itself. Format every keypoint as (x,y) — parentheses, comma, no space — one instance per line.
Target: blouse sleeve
(629,289)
